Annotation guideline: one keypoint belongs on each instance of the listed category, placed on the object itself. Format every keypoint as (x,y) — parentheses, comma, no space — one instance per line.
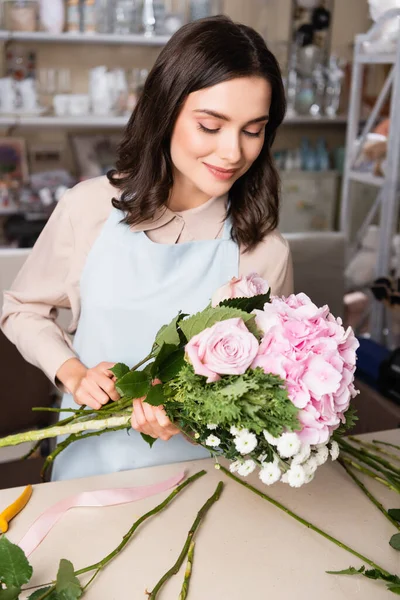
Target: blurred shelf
(82,38)
(308,120)
(92,122)
(367,178)
(87,122)
(378,58)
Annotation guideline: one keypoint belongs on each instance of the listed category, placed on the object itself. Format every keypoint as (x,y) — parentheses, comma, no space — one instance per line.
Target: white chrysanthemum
(284,477)
(296,476)
(270,473)
(311,465)
(245,442)
(309,477)
(270,438)
(213,441)
(234,430)
(288,444)
(302,455)
(322,455)
(334,450)
(234,466)
(247,467)
(212,426)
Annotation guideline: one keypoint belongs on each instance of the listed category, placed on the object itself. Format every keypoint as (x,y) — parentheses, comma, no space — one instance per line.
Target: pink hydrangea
(310,349)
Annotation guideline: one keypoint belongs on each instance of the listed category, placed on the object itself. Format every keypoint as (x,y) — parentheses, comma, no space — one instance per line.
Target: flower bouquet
(263,382)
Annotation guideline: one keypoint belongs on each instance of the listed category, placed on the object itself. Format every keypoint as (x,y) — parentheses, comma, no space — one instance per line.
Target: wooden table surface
(246,548)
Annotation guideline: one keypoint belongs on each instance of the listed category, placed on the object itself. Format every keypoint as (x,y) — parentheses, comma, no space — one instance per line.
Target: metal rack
(387,200)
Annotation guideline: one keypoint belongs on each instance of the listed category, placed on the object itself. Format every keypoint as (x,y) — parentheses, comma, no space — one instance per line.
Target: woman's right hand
(90,387)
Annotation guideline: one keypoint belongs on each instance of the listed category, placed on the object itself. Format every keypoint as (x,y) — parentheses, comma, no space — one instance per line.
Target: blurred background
(71,72)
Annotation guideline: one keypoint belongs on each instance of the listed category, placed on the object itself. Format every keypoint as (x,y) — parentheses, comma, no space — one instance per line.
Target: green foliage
(255,401)
(168,334)
(392,581)
(155,397)
(168,362)
(15,569)
(395,514)
(67,584)
(120,370)
(208,317)
(351,419)
(148,439)
(134,384)
(395,541)
(248,304)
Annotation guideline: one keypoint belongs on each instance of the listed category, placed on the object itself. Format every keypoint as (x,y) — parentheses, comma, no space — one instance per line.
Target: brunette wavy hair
(199,55)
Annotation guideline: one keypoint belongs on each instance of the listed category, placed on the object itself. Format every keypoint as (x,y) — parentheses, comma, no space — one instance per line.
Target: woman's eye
(253,134)
(206,129)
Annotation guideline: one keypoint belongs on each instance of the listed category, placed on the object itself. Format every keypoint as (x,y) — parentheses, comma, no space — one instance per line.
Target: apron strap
(227,231)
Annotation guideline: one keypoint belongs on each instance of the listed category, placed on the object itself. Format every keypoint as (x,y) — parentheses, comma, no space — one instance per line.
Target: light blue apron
(130,287)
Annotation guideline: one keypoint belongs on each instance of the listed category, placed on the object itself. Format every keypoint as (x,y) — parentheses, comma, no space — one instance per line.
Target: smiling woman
(193,202)
(211,104)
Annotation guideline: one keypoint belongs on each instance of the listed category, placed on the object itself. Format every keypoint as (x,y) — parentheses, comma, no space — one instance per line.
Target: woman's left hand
(152,420)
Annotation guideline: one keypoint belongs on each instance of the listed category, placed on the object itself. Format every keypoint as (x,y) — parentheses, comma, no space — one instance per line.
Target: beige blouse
(50,277)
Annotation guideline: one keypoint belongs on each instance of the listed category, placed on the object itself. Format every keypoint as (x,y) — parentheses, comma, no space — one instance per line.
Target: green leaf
(395,541)
(165,351)
(67,584)
(248,304)
(40,593)
(395,514)
(168,334)
(11,593)
(351,419)
(349,571)
(155,396)
(134,384)
(120,370)
(172,365)
(15,568)
(394,588)
(147,438)
(208,317)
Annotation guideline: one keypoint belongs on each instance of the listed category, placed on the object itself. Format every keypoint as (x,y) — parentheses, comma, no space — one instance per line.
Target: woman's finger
(107,385)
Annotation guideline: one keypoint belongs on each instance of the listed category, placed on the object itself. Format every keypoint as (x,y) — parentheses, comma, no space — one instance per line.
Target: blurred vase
(52,16)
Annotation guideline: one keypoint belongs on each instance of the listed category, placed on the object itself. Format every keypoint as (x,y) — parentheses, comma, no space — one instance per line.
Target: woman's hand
(91,387)
(152,420)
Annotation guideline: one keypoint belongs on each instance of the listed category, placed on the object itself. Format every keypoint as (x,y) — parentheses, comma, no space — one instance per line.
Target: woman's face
(218,135)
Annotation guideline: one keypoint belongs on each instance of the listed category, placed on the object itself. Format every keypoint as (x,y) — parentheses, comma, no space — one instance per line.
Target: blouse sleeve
(41,287)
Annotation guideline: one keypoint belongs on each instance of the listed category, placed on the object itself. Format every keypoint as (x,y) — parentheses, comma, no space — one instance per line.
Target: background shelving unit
(387,200)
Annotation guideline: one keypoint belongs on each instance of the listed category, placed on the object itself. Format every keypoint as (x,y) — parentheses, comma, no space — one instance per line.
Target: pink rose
(226,348)
(241,287)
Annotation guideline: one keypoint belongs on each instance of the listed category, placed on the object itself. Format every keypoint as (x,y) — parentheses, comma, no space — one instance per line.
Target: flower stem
(369,495)
(188,572)
(74,437)
(386,444)
(304,522)
(374,447)
(77,427)
(370,474)
(200,515)
(145,360)
(127,537)
(371,459)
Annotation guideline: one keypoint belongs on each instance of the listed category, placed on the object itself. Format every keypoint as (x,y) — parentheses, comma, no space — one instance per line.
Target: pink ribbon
(43,524)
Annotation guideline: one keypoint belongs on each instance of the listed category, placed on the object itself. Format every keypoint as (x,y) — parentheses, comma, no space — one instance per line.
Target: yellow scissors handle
(11,511)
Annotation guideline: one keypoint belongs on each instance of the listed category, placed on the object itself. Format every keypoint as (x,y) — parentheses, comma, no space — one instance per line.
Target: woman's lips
(221,174)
